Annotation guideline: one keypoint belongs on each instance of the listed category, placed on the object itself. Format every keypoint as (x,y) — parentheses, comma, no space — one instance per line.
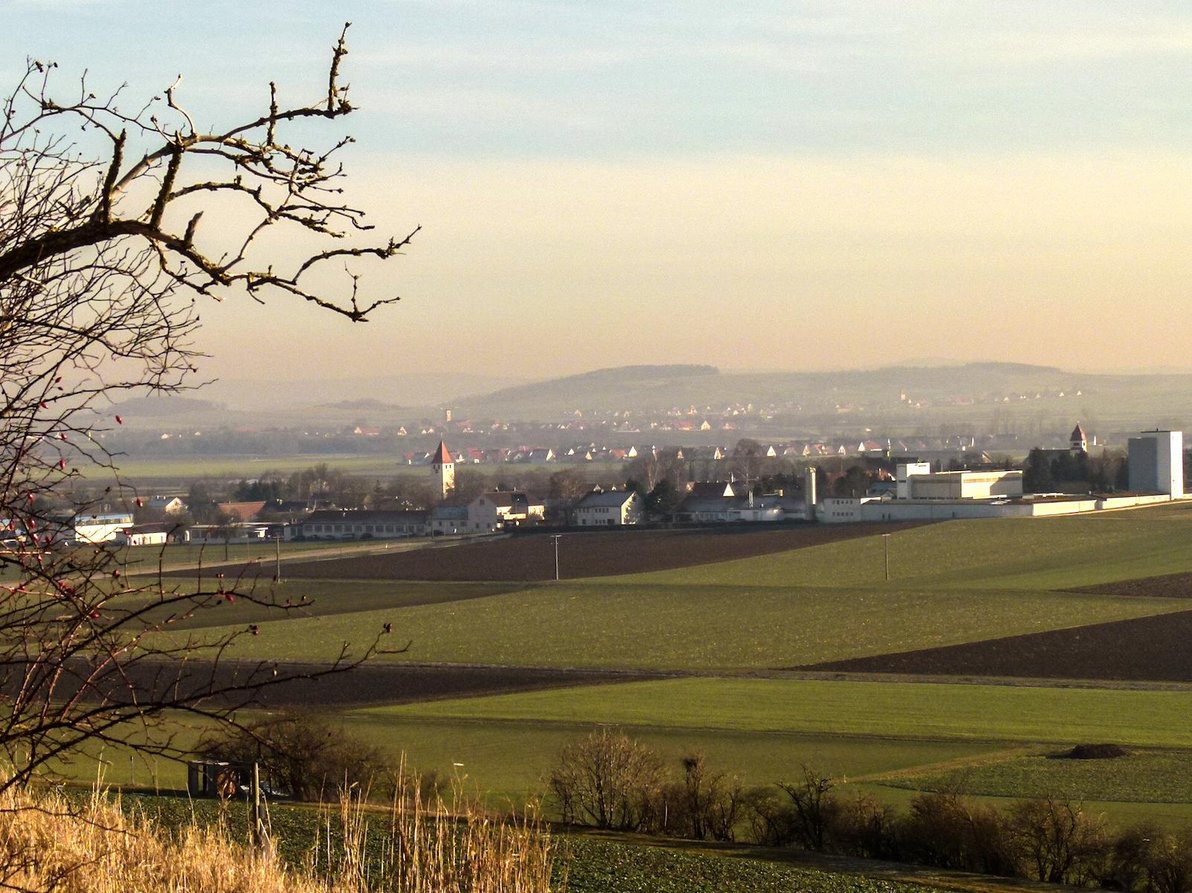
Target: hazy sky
(768,185)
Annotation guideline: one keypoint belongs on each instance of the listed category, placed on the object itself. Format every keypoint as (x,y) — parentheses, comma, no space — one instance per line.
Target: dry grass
(50,844)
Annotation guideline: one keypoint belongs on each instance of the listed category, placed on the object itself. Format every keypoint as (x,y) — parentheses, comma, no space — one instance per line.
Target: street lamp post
(886,550)
(556,537)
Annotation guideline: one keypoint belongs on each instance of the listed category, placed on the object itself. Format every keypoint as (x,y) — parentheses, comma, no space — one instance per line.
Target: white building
(902,475)
(100,527)
(615,508)
(1156,462)
(499,509)
(963,485)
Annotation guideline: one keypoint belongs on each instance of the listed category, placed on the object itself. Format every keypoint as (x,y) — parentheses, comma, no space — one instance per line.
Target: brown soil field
(1146,649)
(530,557)
(1166,586)
(248,684)
(404,684)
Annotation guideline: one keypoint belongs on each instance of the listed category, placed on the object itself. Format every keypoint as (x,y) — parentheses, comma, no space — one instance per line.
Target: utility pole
(886,549)
(556,537)
(277,559)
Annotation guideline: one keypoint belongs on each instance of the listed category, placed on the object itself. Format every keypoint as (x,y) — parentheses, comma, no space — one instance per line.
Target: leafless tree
(104,255)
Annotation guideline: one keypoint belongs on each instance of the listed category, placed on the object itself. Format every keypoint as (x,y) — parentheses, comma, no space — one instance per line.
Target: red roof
(442,457)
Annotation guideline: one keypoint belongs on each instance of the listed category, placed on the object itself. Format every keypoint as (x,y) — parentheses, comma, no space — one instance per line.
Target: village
(879,485)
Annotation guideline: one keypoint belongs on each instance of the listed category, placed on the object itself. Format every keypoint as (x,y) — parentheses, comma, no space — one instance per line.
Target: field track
(1145,649)
(581,555)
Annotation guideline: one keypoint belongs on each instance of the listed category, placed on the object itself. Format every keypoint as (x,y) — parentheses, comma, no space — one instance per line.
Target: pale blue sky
(779,185)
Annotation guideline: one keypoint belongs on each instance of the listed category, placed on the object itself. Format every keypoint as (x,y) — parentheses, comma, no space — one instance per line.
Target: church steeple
(1078,442)
(443,468)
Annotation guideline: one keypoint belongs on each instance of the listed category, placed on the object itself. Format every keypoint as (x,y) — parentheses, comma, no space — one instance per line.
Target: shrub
(951,831)
(1058,841)
(704,805)
(608,780)
(865,827)
(813,809)
(304,756)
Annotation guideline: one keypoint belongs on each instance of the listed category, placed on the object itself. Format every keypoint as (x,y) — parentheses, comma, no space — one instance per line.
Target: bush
(951,831)
(704,805)
(608,780)
(303,756)
(813,809)
(866,827)
(1058,841)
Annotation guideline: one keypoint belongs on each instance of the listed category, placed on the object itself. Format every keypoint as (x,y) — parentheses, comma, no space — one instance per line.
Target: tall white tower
(1156,462)
(443,468)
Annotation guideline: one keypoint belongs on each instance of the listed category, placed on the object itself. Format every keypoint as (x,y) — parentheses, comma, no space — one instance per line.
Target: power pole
(556,537)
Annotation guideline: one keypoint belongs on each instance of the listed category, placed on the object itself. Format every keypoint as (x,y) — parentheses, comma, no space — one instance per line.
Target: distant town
(751,483)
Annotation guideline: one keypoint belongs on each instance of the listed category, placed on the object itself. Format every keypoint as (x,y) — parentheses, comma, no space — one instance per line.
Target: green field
(917,711)
(730,631)
(722,628)
(1146,775)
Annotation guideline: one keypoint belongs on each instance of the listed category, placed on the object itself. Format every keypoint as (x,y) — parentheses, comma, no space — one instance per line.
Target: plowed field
(1147,649)
(1166,586)
(598,554)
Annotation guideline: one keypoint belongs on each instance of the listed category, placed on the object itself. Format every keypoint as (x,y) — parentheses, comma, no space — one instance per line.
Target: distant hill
(658,388)
(1027,401)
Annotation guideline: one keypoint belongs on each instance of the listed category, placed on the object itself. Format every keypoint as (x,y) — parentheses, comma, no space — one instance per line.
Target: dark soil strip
(402,684)
(581,554)
(1166,586)
(248,684)
(1151,649)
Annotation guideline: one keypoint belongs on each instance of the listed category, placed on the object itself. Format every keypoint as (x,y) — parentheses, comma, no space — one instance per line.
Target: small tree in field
(608,780)
(104,253)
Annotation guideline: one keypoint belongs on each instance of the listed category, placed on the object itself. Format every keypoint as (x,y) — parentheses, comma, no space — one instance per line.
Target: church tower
(443,468)
(1078,442)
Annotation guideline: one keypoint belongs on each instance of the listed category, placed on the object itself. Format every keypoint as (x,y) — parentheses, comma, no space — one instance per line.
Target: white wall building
(1156,462)
(960,485)
(499,509)
(616,508)
(902,475)
(100,527)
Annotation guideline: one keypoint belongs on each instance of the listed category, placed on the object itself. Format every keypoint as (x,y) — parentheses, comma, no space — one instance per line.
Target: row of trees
(1050,471)
(611,781)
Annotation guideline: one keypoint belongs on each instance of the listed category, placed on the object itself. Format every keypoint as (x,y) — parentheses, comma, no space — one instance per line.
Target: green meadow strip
(882,709)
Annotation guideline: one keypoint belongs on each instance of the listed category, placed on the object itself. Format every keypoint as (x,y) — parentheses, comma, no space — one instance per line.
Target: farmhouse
(448,520)
(615,508)
(501,509)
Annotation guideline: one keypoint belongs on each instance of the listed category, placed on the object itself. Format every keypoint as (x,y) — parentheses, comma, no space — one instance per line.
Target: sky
(796,185)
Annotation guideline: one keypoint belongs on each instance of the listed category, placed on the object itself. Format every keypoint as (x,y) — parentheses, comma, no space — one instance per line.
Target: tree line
(611,781)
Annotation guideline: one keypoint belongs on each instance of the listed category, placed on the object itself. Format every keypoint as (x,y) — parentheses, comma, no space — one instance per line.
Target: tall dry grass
(48,843)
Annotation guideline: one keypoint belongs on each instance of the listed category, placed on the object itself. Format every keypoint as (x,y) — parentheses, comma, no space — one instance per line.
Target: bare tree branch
(102,260)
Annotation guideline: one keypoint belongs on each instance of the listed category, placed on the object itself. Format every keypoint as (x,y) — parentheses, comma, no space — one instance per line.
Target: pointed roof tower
(443,468)
(1078,442)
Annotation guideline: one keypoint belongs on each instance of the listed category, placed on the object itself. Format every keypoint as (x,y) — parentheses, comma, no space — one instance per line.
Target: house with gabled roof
(502,509)
(611,508)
